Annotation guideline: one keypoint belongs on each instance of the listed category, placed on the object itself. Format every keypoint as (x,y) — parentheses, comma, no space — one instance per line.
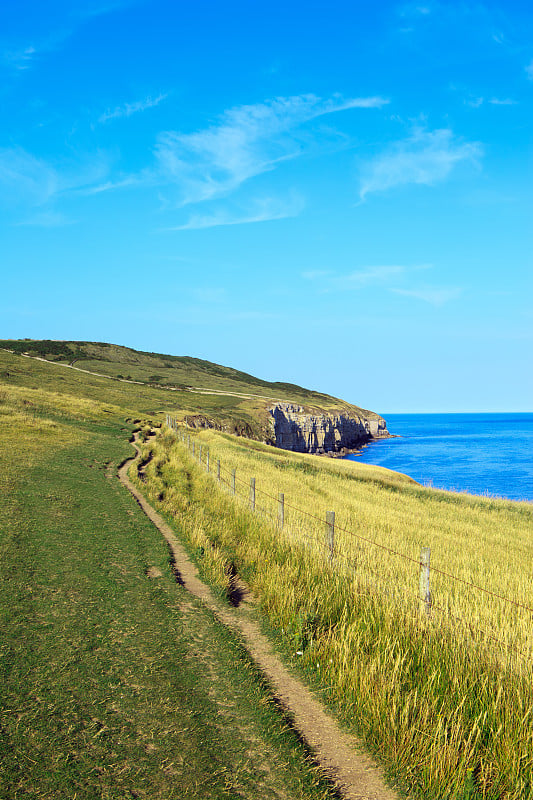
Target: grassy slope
(448,708)
(167,370)
(113,684)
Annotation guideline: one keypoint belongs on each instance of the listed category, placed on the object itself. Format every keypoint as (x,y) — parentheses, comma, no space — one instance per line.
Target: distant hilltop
(212,395)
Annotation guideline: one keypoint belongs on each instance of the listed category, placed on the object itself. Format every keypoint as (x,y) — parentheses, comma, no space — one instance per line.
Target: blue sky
(337,195)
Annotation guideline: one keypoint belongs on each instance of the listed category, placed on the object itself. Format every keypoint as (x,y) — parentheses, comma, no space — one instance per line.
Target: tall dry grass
(446,700)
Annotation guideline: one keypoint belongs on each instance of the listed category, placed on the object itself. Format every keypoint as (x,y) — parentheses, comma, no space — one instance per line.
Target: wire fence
(327,546)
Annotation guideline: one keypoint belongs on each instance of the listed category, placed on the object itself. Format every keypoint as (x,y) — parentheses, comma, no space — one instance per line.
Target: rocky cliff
(293,429)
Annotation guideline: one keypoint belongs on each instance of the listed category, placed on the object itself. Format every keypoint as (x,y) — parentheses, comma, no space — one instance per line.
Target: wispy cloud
(25,178)
(370,275)
(362,277)
(529,70)
(476,102)
(20,56)
(120,183)
(19,59)
(244,142)
(434,295)
(425,157)
(128,109)
(416,9)
(28,183)
(385,277)
(506,101)
(263,210)
(23,56)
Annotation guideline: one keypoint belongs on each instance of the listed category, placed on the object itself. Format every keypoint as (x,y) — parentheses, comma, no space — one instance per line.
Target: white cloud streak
(19,59)
(506,101)
(128,109)
(22,57)
(263,210)
(434,295)
(425,157)
(363,277)
(371,275)
(24,178)
(415,10)
(28,182)
(476,102)
(383,276)
(246,141)
(529,70)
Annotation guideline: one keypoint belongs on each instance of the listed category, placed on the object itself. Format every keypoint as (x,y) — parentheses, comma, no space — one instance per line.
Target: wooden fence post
(281,510)
(330,536)
(233,481)
(189,442)
(200,454)
(192,451)
(207,460)
(252,494)
(425,594)
(218,470)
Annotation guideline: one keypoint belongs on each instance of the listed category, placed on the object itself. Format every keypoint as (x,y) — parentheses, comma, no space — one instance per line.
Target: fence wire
(335,557)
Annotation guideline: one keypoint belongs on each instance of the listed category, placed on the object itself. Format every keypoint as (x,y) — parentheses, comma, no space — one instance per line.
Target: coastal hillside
(412,616)
(214,396)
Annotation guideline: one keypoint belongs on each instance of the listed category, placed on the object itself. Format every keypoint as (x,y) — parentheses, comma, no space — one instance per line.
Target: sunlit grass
(481,541)
(114,682)
(447,699)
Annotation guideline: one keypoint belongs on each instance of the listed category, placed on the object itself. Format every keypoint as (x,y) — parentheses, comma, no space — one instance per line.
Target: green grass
(444,706)
(114,684)
(168,370)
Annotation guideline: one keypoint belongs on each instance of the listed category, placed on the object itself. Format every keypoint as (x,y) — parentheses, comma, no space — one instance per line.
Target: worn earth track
(340,755)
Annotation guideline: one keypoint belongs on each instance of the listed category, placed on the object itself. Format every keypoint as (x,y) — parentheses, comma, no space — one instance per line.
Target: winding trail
(339,754)
(193,389)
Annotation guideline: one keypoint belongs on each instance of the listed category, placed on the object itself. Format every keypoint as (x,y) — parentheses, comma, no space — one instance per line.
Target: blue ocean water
(485,454)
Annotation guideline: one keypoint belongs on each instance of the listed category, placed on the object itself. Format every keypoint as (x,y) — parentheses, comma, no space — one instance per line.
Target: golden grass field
(445,699)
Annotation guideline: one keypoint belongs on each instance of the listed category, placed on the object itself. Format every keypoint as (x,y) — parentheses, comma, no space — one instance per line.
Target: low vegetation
(169,371)
(446,699)
(113,682)
(96,701)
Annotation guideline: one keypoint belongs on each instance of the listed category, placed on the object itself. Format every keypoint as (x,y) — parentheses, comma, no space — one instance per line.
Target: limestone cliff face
(293,429)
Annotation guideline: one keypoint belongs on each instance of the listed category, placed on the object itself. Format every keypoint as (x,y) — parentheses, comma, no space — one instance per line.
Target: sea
(481,454)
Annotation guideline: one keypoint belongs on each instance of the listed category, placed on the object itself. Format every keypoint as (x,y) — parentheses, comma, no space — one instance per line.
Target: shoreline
(356,451)
(443,453)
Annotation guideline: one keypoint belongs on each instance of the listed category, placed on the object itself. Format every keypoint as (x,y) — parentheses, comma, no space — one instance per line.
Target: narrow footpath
(340,755)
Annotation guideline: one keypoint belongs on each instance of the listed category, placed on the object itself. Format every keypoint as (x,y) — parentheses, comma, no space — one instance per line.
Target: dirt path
(193,389)
(340,755)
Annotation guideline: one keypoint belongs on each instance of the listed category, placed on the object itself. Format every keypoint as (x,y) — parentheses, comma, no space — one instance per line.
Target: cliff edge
(331,432)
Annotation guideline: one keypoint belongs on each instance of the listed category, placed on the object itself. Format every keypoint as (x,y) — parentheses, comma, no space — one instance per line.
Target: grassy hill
(228,399)
(181,372)
(114,682)
(445,699)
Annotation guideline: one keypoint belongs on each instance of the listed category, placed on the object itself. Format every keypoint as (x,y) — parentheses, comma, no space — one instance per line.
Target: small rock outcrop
(333,432)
